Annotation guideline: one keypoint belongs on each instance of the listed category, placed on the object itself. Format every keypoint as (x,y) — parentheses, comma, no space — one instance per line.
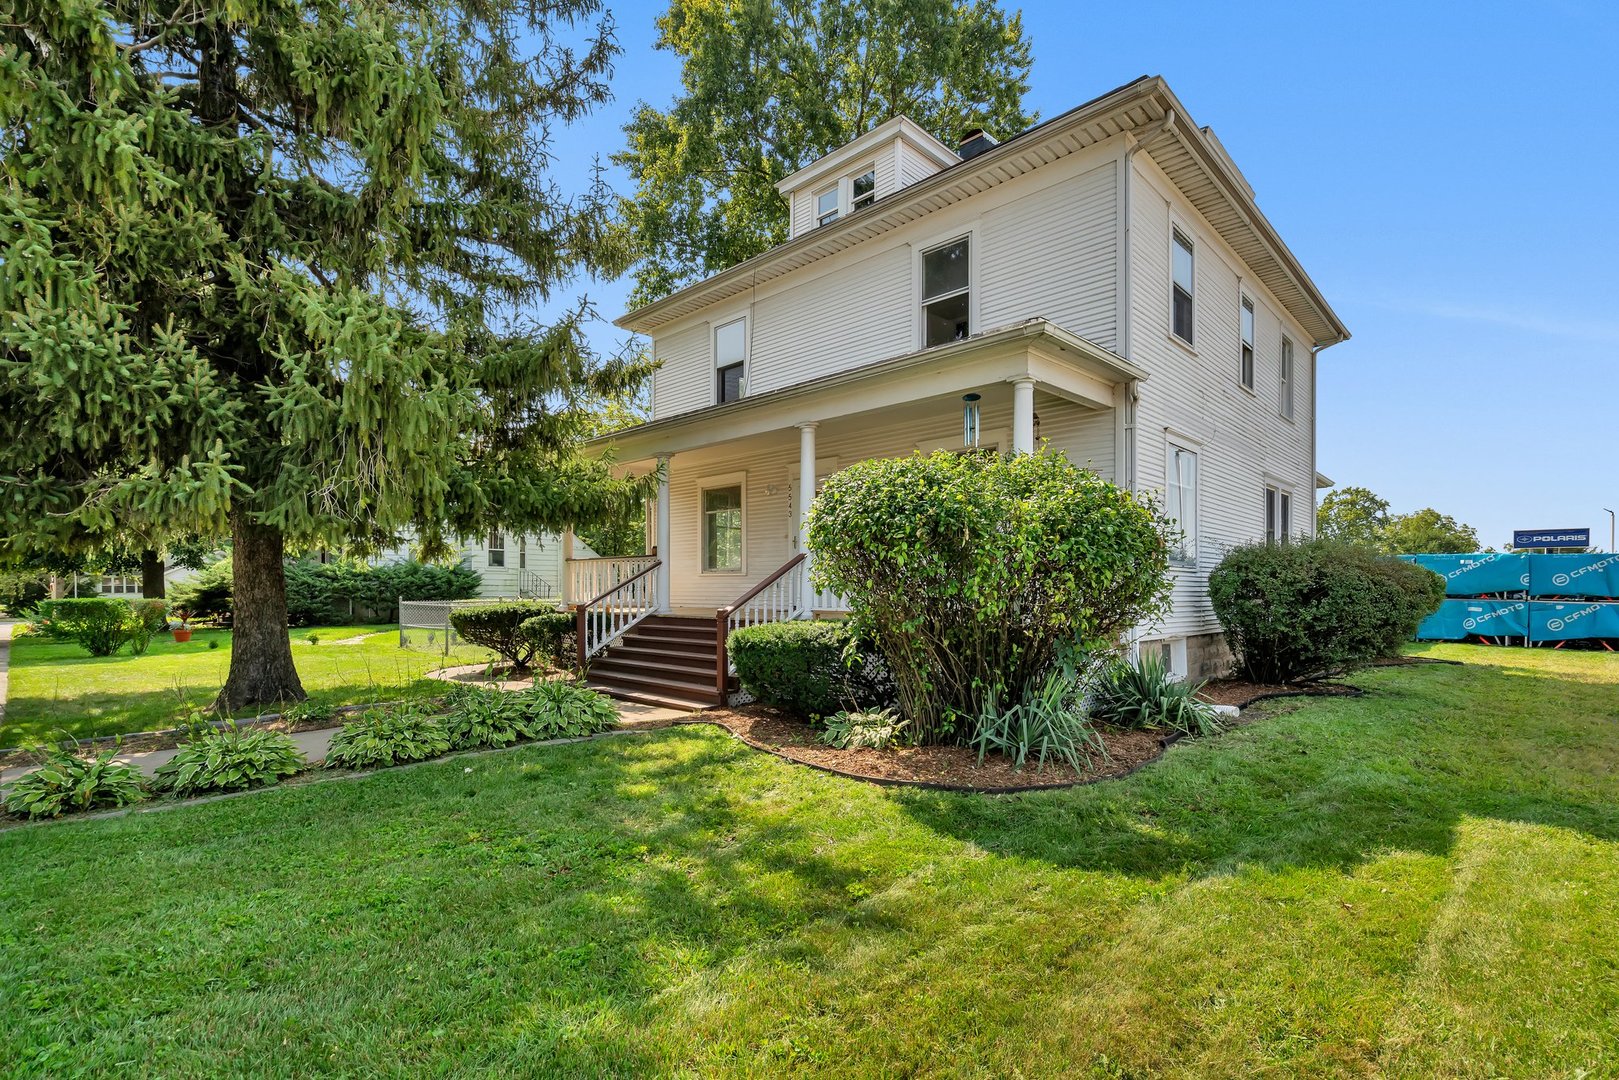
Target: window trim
(739,481)
(495,545)
(870,196)
(1247,348)
(1280,496)
(1173,441)
(719,369)
(1178,235)
(918,267)
(1287,368)
(821,217)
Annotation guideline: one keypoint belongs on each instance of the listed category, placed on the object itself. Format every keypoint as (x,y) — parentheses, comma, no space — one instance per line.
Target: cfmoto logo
(1559,579)
(1554,625)
(1468,624)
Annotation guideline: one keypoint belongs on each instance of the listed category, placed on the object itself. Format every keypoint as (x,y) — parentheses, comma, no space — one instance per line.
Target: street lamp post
(1611,548)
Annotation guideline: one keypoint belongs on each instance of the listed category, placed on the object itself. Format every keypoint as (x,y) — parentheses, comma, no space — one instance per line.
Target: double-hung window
(826,206)
(522,553)
(1181,501)
(1245,370)
(497,548)
(1285,402)
(945,286)
(124,585)
(730,360)
(1278,515)
(722,529)
(1181,287)
(863,190)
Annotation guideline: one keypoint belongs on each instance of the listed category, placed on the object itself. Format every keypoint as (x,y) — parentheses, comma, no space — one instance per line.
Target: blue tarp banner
(1476,575)
(1574,575)
(1549,621)
(1457,620)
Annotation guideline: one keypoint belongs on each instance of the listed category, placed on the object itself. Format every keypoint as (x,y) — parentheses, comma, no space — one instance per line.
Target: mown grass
(1420,882)
(57,691)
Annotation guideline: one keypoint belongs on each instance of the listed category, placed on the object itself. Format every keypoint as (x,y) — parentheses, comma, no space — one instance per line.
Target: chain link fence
(425,624)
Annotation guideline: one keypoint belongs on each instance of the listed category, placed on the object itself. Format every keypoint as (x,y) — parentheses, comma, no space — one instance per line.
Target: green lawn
(57,690)
(1420,882)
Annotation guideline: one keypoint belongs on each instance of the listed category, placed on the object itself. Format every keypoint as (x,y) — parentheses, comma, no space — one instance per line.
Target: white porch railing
(589,578)
(778,598)
(604,619)
(826,600)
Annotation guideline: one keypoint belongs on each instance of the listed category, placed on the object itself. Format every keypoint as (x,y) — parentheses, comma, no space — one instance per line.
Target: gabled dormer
(890,156)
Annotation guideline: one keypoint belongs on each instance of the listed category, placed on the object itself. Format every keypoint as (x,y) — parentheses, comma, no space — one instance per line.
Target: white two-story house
(1103,282)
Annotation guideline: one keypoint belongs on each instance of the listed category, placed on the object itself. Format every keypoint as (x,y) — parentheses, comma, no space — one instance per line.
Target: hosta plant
(65,783)
(561,709)
(1146,695)
(387,737)
(480,717)
(229,759)
(874,730)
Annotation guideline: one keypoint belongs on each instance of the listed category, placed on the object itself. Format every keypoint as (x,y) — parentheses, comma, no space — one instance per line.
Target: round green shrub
(549,634)
(972,572)
(499,626)
(1316,607)
(99,624)
(809,667)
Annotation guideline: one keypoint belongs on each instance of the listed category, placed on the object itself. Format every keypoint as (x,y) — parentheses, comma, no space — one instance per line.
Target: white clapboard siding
(1054,254)
(685,375)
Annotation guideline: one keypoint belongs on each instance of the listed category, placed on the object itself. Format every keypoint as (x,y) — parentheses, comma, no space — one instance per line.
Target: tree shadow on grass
(1329,782)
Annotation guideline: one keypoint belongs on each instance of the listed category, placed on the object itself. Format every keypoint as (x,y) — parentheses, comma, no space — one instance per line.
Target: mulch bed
(949,767)
(1241,693)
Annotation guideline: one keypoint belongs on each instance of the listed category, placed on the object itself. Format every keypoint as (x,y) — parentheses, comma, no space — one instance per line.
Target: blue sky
(1445,173)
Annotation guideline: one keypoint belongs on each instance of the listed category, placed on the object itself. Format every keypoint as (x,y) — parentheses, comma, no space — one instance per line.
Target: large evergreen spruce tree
(264,269)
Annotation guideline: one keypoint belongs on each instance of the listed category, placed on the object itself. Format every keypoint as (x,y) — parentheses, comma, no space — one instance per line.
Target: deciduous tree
(264,273)
(767,86)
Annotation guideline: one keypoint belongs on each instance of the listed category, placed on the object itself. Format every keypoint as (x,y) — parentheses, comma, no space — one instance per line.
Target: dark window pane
(865,190)
(944,269)
(947,320)
(1183,314)
(730,383)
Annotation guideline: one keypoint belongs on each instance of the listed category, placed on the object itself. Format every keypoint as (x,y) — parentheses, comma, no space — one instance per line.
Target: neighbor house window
(722,528)
(1181,500)
(1278,515)
(1181,288)
(1246,370)
(497,549)
(1285,405)
(945,283)
(522,553)
(121,585)
(730,360)
(863,189)
(826,206)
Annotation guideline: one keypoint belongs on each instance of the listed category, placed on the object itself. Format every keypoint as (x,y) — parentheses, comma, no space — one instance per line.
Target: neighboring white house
(1104,282)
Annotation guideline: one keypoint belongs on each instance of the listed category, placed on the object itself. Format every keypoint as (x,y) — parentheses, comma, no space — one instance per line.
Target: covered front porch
(727,533)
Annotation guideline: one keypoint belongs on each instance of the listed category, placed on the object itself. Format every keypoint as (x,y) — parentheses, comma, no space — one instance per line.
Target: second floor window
(730,360)
(1285,404)
(826,206)
(497,548)
(1180,501)
(1246,370)
(945,283)
(1180,315)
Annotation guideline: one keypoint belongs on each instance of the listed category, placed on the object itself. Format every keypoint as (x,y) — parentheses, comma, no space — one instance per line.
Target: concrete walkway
(5,660)
(313,744)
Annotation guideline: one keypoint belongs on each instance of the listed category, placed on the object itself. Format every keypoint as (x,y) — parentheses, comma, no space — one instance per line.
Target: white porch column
(806,495)
(663,533)
(568,599)
(1023,416)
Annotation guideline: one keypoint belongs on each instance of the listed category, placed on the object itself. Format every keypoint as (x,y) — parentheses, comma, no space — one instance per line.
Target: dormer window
(863,188)
(826,206)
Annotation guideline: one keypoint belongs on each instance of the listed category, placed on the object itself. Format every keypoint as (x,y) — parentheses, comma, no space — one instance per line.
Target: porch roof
(1061,363)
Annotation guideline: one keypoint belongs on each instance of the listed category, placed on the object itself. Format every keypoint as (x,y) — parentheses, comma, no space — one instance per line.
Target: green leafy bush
(971,571)
(146,620)
(334,592)
(387,737)
(229,759)
(1147,696)
(809,667)
(559,709)
(480,717)
(206,596)
(1047,725)
(500,627)
(99,624)
(309,712)
(549,633)
(1307,609)
(876,730)
(65,783)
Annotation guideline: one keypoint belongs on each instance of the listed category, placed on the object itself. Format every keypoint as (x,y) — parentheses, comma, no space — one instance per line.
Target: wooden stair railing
(778,598)
(604,620)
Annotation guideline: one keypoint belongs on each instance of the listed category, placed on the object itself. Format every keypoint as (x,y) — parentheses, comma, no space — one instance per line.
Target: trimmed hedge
(810,668)
(519,630)
(324,594)
(1307,609)
(100,624)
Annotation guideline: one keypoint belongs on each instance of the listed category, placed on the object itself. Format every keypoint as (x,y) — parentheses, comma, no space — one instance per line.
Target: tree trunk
(153,587)
(261,668)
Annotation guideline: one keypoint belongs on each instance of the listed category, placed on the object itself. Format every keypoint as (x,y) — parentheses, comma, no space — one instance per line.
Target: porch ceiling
(1061,364)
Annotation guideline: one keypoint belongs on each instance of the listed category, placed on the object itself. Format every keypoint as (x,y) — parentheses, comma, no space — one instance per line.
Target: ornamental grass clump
(1146,696)
(972,572)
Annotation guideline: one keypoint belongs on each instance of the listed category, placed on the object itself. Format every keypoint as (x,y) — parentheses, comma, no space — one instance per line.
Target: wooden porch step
(694,669)
(663,643)
(662,701)
(620,683)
